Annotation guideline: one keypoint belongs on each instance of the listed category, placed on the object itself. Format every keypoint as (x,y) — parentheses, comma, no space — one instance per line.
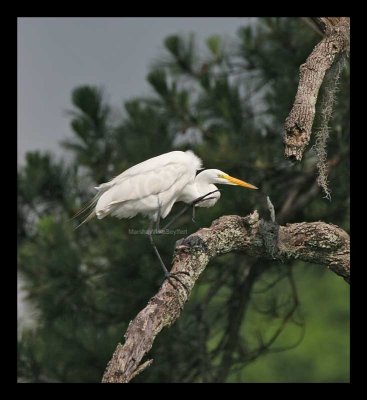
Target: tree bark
(299,122)
(315,242)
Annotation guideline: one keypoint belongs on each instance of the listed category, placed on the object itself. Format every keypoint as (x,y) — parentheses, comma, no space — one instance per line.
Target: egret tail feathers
(90,216)
(87,206)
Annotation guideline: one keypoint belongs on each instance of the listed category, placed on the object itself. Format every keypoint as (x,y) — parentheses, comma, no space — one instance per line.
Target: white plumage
(152,187)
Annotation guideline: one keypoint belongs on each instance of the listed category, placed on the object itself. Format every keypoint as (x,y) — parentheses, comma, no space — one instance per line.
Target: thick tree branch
(299,122)
(315,242)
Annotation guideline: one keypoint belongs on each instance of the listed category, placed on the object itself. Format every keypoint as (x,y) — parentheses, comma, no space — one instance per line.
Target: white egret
(153,186)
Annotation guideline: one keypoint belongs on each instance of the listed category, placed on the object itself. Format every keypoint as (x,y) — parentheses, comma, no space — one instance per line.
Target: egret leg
(158,217)
(196,201)
(178,215)
(168,275)
(202,198)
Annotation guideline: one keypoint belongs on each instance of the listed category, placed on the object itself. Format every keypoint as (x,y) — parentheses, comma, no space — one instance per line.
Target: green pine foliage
(247,320)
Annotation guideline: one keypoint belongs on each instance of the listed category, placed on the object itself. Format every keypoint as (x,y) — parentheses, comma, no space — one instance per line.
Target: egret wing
(187,158)
(147,190)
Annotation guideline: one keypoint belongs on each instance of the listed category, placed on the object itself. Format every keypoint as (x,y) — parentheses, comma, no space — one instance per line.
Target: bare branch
(299,122)
(315,242)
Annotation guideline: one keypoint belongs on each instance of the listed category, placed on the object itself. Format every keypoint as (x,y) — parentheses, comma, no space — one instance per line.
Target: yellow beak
(238,182)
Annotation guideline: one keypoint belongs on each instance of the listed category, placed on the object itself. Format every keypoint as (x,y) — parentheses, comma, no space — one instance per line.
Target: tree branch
(315,242)
(299,122)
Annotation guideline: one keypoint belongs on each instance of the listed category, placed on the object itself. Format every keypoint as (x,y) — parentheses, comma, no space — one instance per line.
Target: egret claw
(170,276)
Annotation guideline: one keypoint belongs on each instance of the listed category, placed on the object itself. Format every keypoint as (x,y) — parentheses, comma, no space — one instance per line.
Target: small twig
(271,209)
(141,368)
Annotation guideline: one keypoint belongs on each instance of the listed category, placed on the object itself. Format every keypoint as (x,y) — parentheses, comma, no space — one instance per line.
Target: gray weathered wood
(298,124)
(315,242)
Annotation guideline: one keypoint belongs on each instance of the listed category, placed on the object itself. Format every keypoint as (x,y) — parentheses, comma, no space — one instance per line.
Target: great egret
(152,188)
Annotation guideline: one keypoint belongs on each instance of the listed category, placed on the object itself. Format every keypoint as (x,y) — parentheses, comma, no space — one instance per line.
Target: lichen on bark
(298,124)
(315,242)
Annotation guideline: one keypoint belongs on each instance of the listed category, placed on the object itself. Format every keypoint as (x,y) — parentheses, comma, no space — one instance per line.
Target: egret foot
(168,275)
(173,275)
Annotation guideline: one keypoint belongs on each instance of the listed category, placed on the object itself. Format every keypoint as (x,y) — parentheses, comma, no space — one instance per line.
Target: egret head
(216,176)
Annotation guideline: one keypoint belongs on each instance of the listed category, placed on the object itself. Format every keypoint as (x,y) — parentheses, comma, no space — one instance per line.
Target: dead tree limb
(299,122)
(315,242)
